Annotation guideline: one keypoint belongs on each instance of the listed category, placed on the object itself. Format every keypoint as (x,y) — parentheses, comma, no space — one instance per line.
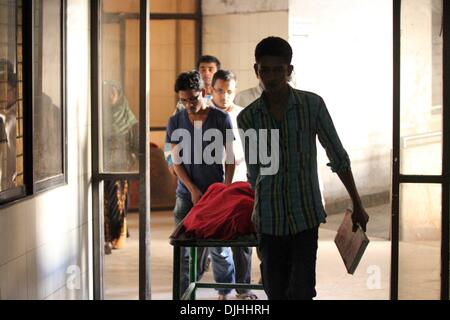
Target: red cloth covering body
(223,213)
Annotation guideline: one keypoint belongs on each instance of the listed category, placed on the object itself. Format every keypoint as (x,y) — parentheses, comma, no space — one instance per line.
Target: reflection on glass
(420,241)
(421,87)
(11,158)
(120,86)
(120,130)
(48,128)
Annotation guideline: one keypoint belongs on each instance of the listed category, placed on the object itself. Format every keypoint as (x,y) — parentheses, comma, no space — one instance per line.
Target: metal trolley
(179,239)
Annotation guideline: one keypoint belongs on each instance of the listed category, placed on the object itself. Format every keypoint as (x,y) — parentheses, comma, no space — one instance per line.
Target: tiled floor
(370,281)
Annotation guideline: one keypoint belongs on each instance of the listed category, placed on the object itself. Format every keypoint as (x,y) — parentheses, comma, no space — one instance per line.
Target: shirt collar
(293,100)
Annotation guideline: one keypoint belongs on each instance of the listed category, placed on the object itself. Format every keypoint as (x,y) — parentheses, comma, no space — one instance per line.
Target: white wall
(218,7)
(232,29)
(42,237)
(343,52)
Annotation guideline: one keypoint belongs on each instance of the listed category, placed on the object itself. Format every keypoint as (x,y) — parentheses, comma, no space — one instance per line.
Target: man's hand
(196,195)
(359,217)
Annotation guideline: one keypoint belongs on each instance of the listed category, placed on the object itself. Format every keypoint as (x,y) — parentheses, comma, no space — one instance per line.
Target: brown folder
(351,245)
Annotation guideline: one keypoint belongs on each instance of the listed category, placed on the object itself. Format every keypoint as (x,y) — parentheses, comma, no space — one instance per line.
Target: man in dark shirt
(197,169)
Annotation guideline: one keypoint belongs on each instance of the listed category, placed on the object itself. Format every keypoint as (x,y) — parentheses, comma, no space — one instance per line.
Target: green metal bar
(209,285)
(214,243)
(190,293)
(193,268)
(176,273)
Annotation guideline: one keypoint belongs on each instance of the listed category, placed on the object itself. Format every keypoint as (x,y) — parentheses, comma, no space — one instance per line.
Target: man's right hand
(359,216)
(196,195)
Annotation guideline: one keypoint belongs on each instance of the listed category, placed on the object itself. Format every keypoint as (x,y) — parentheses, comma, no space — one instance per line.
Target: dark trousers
(288,265)
(242,257)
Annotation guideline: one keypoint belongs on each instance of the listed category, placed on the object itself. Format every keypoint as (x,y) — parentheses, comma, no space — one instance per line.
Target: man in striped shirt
(288,207)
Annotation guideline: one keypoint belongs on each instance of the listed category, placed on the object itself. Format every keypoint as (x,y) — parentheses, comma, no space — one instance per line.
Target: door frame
(398,178)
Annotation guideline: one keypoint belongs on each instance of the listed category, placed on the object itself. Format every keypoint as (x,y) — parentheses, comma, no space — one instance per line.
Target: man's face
(192,100)
(224,93)
(273,72)
(207,71)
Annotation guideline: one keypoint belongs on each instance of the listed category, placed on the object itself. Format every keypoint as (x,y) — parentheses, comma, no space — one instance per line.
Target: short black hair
(274,46)
(208,59)
(7,69)
(225,75)
(189,81)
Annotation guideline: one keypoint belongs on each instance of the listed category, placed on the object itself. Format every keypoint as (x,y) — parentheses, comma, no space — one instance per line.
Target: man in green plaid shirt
(288,208)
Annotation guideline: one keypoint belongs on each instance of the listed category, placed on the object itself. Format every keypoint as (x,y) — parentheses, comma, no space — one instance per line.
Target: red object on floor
(133,195)
(223,213)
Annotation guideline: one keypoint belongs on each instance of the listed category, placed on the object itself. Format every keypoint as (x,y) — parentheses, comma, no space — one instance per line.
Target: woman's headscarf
(119,117)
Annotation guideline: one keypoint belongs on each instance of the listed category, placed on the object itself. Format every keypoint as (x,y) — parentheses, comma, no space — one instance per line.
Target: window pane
(421,87)
(11,99)
(48,128)
(173,6)
(420,241)
(119,75)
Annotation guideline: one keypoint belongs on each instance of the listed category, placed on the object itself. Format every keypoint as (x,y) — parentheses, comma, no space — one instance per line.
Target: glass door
(120,149)
(420,171)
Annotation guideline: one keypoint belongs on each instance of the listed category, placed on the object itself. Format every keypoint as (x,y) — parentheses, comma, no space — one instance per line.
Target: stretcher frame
(178,239)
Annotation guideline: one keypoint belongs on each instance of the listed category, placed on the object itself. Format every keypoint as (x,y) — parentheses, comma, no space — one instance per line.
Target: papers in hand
(351,245)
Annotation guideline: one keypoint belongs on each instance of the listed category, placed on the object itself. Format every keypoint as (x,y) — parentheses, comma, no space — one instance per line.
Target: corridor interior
(311,30)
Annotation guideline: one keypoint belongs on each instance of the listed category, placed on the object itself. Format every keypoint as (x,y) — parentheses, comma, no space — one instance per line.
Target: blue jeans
(223,266)
(222,259)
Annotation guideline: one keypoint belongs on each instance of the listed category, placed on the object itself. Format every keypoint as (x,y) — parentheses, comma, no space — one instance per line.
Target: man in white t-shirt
(244,98)
(223,93)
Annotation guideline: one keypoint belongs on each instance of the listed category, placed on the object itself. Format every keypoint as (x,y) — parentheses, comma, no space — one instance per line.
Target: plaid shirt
(289,201)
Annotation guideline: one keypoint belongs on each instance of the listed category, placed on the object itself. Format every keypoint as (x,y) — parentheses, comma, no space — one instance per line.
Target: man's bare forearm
(180,172)
(230,163)
(229,173)
(349,183)
(359,215)
(184,177)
